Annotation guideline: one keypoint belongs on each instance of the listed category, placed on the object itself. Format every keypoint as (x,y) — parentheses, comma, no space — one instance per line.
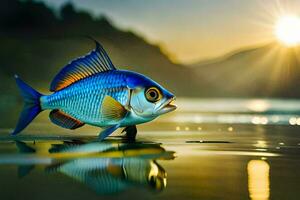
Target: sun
(287,30)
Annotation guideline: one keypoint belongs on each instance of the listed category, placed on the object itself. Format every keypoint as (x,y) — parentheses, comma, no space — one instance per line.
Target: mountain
(266,71)
(37,42)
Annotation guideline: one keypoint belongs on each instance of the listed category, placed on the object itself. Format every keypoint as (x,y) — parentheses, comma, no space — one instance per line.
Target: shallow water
(208,149)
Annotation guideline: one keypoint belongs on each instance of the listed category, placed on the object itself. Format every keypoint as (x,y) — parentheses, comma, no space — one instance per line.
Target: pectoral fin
(106,132)
(115,170)
(112,110)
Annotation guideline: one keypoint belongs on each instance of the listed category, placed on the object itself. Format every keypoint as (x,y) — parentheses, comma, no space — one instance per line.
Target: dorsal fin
(94,62)
(63,120)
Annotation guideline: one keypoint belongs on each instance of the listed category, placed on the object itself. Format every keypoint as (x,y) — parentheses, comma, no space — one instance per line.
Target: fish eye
(153,94)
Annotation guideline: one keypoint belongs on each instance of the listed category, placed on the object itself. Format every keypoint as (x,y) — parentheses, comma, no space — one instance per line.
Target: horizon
(63,28)
(163,99)
(239,25)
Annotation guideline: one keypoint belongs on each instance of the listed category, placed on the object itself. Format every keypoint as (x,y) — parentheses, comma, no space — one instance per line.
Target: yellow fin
(112,110)
(115,170)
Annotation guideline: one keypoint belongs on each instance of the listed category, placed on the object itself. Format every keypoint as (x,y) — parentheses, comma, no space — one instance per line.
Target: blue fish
(111,167)
(113,175)
(90,90)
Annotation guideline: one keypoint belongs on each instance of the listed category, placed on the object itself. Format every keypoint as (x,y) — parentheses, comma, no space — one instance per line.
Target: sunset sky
(193,30)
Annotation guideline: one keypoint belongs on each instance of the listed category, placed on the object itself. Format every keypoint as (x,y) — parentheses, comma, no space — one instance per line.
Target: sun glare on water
(287,30)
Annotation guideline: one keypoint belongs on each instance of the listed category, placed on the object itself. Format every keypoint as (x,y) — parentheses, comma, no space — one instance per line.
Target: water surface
(208,149)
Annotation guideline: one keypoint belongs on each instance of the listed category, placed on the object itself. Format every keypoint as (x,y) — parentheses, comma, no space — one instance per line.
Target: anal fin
(63,120)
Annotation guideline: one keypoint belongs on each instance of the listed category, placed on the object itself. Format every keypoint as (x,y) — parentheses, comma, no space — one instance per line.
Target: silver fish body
(90,90)
(84,98)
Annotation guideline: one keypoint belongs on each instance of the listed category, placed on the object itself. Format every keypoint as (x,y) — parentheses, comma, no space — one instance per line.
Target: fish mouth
(168,106)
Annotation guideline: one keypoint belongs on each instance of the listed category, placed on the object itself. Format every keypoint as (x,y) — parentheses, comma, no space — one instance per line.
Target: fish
(91,90)
(106,167)
(110,167)
(114,175)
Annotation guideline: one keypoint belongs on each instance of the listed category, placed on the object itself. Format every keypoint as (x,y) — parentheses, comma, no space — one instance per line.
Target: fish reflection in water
(106,167)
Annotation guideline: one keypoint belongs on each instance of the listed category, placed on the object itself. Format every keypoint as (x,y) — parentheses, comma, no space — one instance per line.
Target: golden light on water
(258,105)
(260,120)
(294,121)
(287,30)
(258,180)
(261,144)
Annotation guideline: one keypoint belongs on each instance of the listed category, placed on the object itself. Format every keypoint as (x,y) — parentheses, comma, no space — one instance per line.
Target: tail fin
(31,105)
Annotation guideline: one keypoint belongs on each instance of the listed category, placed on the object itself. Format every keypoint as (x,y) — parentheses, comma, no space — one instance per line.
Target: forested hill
(36,42)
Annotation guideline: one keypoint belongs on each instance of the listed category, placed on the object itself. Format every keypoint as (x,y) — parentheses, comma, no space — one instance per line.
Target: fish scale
(83,99)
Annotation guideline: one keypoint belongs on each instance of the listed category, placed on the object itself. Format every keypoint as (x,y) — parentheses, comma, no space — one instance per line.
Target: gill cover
(151,101)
